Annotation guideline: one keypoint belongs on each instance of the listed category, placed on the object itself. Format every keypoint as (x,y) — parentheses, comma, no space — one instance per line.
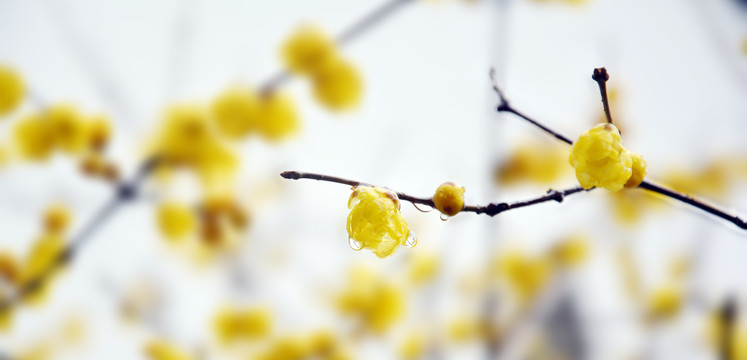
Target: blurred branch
(504,106)
(491,209)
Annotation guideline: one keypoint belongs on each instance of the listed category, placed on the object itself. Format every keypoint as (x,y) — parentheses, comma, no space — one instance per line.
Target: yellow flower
(69,127)
(236,112)
(9,268)
(525,275)
(278,117)
(307,49)
(34,138)
(162,350)
(423,267)
(413,347)
(600,159)
(233,323)
(12,90)
(99,132)
(376,301)
(535,161)
(176,220)
(375,222)
(665,302)
(337,84)
(56,219)
(449,198)
(571,252)
(639,171)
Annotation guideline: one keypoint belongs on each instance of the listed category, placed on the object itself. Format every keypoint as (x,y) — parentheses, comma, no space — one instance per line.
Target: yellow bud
(600,159)
(234,324)
(639,171)
(12,90)
(449,198)
(337,84)
(162,350)
(99,132)
(176,220)
(665,302)
(307,49)
(278,117)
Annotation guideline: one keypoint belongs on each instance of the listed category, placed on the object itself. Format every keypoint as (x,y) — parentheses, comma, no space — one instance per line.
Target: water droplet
(425,209)
(412,240)
(444,217)
(354,244)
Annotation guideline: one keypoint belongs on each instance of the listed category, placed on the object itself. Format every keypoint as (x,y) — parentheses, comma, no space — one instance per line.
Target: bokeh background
(654,273)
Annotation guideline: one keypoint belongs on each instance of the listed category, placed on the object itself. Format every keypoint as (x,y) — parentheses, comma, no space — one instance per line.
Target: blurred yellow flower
(571,252)
(600,159)
(12,89)
(665,302)
(639,171)
(163,350)
(42,258)
(233,323)
(69,128)
(176,220)
(376,301)
(56,219)
(533,161)
(306,50)
(236,112)
(375,222)
(278,119)
(423,267)
(99,132)
(449,198)
(525,275)
(337,84)
(412,347)
(34,138)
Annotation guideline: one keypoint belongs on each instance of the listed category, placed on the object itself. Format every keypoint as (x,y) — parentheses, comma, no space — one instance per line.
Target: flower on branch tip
(375,222)
(449,198)
(306,49)
(12,89)
(600,159)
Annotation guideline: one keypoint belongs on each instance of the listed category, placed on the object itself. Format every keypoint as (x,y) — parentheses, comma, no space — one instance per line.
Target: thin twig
(351,33)
(505,107)
(601,76)
(491,209)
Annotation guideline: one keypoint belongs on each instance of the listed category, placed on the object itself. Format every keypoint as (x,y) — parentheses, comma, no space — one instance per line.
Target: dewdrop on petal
(236,112)
(600,159)
(278,117)
(639,171)
(12,90)
(307,49)
(449,199)
(337,84)
(375,222)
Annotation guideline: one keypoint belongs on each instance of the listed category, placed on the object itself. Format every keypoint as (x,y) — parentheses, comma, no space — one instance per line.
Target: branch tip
(292,175)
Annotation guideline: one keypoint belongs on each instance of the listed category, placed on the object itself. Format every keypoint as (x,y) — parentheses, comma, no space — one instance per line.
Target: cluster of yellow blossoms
(336,81)
(45,251)
(600,160)
(215,221)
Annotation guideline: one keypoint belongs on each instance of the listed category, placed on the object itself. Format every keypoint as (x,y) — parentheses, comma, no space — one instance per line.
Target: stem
(601,76)
(491,209)
(356,29)
(505,107)
(728,316)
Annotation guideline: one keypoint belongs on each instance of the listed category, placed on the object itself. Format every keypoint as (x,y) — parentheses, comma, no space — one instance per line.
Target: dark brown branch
(491,209)
(505,107)
(356,29)
(601,76)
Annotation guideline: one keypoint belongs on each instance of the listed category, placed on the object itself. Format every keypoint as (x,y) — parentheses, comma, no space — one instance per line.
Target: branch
(601,76)
(491,209)
(601,79)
